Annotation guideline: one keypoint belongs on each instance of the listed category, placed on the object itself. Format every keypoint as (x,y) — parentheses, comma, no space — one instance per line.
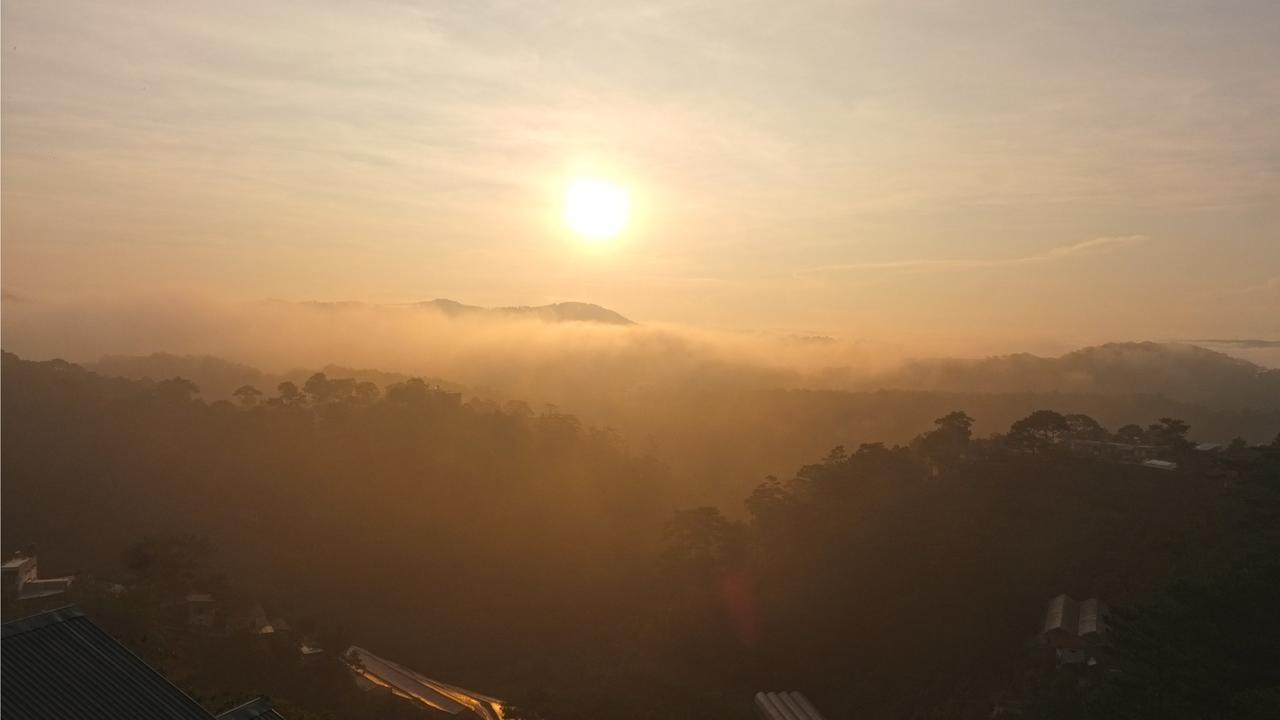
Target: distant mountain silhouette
(1183,372)
(555,312)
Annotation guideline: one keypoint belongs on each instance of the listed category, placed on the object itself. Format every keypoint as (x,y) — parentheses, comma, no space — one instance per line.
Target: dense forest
(532,556)
(720,426)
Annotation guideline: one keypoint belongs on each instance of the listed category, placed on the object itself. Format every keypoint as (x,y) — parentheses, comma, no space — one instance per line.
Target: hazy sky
(1030,172)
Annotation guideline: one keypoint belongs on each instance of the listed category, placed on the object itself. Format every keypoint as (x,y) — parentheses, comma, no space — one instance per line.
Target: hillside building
(202,610)
(21,580)
(1074,629)
(1116,451)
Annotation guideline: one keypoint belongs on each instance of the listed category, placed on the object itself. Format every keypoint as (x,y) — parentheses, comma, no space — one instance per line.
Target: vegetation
(722,424)
(528,556)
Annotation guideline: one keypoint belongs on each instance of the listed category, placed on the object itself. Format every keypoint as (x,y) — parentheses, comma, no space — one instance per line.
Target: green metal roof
(258,708)
(58,665)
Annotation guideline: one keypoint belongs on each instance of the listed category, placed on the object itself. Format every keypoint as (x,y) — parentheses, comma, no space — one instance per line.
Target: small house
(310,651)
(1074,629)
(21,580)
(202,609)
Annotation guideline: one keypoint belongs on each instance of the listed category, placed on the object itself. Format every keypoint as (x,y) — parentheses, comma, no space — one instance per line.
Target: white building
(21,580)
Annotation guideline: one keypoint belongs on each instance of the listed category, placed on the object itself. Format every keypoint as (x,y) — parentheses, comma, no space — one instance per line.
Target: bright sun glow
(596,209)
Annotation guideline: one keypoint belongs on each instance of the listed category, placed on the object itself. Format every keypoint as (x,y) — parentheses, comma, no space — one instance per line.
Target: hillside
(535,557)
(555,312)
(1181,372)
(723,432)
(217,379)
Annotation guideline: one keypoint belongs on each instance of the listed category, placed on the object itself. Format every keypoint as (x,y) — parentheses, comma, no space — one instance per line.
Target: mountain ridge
(569,311)
(554,312)
(1176,370)
(1180,372)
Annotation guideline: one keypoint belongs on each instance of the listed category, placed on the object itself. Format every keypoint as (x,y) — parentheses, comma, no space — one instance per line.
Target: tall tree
(1038,431)
(247,395)
(178,390)
(1132,434)
(949,440)
(1083,427)
(290,395)
(1170,432)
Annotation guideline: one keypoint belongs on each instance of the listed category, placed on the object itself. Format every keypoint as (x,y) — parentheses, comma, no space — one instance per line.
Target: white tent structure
(415,687)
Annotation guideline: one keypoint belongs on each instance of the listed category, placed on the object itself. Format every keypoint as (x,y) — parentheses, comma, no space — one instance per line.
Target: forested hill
(720,437)
(218,379)
(538,559)
(1182,372)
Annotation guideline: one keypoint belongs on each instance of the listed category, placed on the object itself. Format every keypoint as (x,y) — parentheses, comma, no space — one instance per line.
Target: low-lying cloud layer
(516,355)
(722,408)
(588,366)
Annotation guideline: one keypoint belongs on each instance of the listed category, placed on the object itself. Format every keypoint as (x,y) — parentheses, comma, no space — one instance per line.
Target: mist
(722,408)
(518,356)
(763,334)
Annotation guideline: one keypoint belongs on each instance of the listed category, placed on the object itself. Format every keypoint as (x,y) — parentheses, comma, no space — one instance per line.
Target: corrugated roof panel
(258,708)
(786,706)
(1063,614)
(1091,616)
(767,708)
(59,665)
(803,702)
(796,711)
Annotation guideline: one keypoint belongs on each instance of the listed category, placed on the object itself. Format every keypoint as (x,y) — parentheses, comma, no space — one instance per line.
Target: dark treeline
(534,558)
(721,428)
(725,439)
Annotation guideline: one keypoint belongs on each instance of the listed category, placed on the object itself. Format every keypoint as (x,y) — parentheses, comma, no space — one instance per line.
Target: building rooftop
(1067,617)
(1063,614)
(785,706)
(59,665)
(258,708)
(45,587)
(1091,616)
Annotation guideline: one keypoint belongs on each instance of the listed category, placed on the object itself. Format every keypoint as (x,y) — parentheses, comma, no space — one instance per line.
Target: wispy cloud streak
(1094,246)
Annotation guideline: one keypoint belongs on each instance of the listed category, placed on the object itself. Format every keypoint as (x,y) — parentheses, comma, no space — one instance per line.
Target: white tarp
(409,684)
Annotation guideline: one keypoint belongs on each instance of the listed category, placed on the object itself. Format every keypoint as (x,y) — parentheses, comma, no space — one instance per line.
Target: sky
(1013,175)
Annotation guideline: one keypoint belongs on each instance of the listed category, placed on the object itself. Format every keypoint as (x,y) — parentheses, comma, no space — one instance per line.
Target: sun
(596,209)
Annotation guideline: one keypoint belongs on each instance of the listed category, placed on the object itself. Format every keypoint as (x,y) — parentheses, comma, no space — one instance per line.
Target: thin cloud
(1248,343)
(1094,246)
(1269,286)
